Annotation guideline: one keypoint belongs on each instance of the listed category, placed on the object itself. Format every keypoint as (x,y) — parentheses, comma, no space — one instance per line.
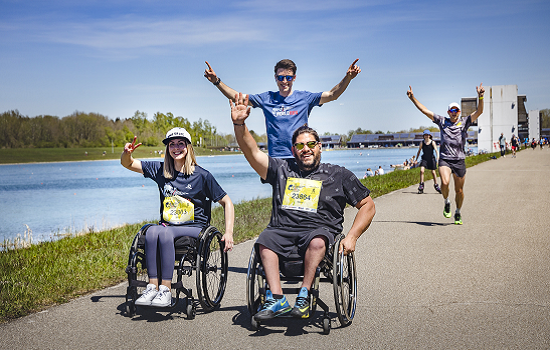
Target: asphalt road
(424,283)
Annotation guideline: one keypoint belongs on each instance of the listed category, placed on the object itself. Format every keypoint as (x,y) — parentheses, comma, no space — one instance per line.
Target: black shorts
(429,164)
(457,166)
(292,243)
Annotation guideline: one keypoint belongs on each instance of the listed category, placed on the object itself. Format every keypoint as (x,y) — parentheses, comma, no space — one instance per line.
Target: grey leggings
(159,248)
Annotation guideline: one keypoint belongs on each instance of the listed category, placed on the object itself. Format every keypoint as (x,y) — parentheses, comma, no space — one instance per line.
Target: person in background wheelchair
(184,189)
(308,201)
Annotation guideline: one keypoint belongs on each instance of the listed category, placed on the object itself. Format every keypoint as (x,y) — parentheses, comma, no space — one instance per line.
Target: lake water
(53,199)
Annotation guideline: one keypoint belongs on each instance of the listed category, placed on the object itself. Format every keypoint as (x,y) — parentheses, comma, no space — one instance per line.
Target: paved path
(424,282)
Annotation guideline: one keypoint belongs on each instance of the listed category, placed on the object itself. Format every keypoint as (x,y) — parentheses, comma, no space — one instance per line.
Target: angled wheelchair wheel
(212,268)
(344,284)
(254,281)
(137,274)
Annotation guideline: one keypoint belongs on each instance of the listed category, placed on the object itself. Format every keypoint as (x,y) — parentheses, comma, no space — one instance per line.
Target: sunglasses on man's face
(310,144)
(287,77)
(454,110)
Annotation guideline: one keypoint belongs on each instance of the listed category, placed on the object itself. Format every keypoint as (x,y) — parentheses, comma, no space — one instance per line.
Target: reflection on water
(70,197)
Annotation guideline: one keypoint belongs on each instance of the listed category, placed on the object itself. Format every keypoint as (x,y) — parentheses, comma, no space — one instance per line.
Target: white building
(500,115)
(534,125)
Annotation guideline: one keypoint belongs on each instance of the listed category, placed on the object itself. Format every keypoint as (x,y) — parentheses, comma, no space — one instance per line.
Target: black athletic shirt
(339,187)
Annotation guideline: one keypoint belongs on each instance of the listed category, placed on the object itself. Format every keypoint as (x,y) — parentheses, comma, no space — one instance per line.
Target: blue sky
(116,57)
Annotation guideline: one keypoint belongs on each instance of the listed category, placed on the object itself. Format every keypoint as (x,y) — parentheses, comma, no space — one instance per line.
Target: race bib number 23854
(302,194)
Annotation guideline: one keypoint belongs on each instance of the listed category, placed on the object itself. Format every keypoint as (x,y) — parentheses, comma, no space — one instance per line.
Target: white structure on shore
(500,115)
(534,125)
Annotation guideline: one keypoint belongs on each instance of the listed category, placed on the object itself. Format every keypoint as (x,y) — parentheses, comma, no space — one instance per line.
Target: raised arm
(480,92)
(127,160)
(419,105)
(214,79)
(361,223)
(257,159)
(229,215)
(339,89)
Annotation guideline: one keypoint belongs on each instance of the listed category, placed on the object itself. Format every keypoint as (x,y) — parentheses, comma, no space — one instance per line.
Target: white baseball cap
(176,133)
(454,104)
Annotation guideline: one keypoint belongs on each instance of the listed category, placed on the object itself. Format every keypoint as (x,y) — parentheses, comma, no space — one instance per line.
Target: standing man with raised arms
(287,109)
(454,131)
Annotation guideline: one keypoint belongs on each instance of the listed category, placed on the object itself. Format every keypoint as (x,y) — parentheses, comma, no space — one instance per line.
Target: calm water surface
(58,198)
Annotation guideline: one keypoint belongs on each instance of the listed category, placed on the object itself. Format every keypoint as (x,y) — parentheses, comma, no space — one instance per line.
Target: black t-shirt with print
(339,187)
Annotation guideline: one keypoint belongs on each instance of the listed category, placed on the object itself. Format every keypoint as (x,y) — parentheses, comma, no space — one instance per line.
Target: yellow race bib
(177,210)
(302,194)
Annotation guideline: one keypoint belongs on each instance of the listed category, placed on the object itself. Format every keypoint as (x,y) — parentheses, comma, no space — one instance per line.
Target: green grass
(36,155)
(50,273)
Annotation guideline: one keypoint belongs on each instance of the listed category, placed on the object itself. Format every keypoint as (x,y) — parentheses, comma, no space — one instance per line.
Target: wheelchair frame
(336,268)
(205,257)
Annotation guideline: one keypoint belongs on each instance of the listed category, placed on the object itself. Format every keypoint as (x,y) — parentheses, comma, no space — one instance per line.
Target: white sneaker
(148,295)
(163,297)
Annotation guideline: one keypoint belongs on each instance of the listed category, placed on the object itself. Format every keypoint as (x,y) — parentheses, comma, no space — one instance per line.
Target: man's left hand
(353,70)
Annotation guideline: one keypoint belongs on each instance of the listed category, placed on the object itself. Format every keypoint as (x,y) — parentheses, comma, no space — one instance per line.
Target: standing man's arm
(419,105)
(339,89)
(214,79)
(258,160)
(480,92)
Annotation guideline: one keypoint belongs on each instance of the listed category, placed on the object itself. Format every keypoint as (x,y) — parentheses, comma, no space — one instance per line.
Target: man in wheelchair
(308,202)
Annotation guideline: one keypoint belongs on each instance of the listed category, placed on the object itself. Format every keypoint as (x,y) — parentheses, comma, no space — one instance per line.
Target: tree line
(95,130)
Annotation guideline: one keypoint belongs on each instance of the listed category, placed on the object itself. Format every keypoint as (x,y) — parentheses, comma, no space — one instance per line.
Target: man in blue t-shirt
(285,110)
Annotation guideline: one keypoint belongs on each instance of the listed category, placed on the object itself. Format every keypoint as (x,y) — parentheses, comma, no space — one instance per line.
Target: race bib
(177,210)
(302,194)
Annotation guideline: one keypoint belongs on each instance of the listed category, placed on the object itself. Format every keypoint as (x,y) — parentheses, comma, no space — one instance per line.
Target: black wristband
(217,82)
(238,124)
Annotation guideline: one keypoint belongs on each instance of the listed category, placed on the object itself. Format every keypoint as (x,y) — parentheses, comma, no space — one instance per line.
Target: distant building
(397,139)
(504,112)
(331,141)
(534,125)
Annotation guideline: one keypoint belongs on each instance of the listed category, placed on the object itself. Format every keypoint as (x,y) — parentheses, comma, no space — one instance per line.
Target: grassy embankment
(50,273)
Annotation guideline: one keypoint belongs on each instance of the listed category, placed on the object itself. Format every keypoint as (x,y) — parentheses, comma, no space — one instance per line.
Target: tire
(212,267)
(191,311)
(344,284)
(254,325)
(326,325)
(252,286)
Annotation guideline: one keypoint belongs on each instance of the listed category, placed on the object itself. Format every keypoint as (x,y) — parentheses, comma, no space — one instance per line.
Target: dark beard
(312,166)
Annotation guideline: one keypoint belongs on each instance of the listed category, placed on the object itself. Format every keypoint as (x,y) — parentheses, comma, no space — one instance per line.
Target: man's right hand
(239,108)
(210,74)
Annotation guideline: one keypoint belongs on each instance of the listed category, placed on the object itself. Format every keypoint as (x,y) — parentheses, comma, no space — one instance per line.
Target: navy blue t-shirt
(283,115)
(196,188)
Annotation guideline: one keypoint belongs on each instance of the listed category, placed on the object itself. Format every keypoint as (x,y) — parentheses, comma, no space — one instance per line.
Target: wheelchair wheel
(212,268)
(253,297)
(137,271)
(344,284)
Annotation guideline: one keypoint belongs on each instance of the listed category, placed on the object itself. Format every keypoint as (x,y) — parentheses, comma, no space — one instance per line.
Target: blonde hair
(188,166)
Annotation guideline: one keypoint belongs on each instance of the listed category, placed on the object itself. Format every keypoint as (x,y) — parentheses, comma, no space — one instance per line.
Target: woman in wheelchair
(184,189)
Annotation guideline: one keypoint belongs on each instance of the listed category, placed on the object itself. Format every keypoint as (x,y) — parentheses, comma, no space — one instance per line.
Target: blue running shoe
(301,308)
(272,307)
